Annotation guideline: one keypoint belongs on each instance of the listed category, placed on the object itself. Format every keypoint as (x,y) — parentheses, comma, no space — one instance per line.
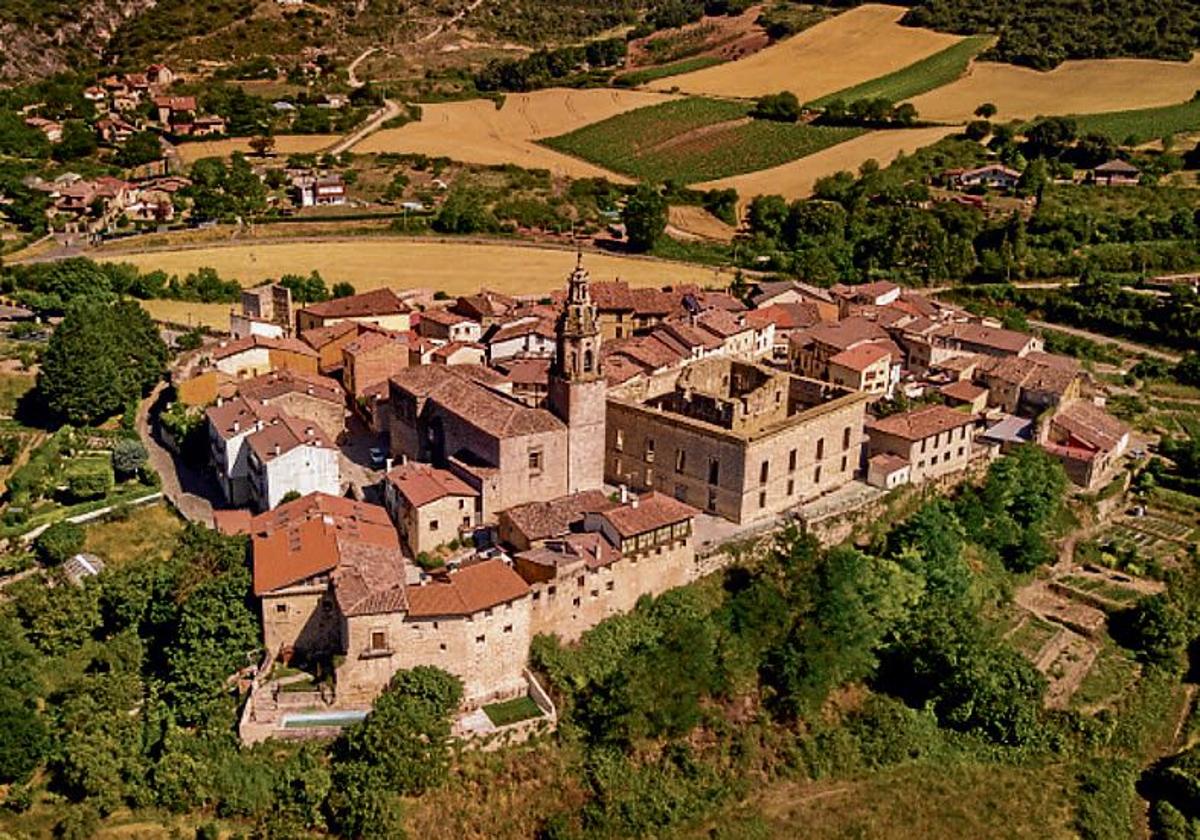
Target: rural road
(1099,338)
(390,109)
(353,79)
(442,27)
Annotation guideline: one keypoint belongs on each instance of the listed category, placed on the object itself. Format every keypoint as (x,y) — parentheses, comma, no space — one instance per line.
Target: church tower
(577,386)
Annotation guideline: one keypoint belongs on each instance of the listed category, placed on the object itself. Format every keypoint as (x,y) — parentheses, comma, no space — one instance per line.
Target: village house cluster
(542,465)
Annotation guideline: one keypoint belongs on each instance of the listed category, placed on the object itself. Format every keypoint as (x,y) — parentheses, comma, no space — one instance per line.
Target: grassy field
(933,801)
(451,266)
(922,76)
(477,131)
(795,179)
(13,386)
(662,71)
(1142,124)
(212,315)
(1074,87)
(149,531)
(697,139)
(853,47)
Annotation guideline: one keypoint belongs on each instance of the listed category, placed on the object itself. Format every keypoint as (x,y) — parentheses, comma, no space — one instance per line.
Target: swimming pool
(303,720)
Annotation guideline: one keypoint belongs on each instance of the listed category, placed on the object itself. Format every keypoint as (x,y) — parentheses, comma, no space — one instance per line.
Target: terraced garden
(694,139)
(922,76)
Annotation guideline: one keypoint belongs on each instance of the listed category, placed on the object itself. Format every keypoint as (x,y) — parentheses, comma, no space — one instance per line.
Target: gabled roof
(284,433)
(1008,341)
(445,317)
(1090,424)
(520,328)
(592,549)
(921,423)
(543,520)
(238,416)
(963,390)
(861,356)
(319,337)
(421,484)
(841,334)
(1118,167)
(526,371)
(250,342)
(461,391)
(470,590)
(650,512)
(785,316)
(721,323)
(377,302)
(279,383)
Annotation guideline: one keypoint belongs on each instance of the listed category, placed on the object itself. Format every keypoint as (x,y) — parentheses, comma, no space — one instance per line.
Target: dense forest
(1044,33)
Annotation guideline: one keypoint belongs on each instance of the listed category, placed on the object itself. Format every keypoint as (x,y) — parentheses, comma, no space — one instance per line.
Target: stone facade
(744,456)
(933,445)
(371,359)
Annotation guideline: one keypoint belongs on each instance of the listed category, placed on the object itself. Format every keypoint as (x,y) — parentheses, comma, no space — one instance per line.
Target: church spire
(577,331)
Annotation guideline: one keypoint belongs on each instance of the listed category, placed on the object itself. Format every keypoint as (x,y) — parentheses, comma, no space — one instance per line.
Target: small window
(791,487)
(574,602)
(537,596)
(945,457)
(462,504)
(681,492)
(579,580)
(649,476)
(609,586)
(535,460)
(466,522)
(680,460)
(792,461)
(714,470)
(762,499)
(960,452)
(712,499)
(846,438)
(507,628)
(480,639)
(378,640)
(649,450)
(281,608)
(764,471)
(845,463)
(619,443)
(817,475)
(433,524)
(442,646)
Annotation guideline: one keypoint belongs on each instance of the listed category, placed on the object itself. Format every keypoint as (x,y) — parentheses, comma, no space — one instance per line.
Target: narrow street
(187,489)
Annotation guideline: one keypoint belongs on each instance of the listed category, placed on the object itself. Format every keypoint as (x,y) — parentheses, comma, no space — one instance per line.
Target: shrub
(128,457)
(59,542)
(781,107)
(88,486)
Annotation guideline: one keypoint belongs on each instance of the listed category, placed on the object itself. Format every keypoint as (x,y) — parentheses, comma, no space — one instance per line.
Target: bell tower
(577,385)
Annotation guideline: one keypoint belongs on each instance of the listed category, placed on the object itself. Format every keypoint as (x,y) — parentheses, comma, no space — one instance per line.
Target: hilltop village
(535,466)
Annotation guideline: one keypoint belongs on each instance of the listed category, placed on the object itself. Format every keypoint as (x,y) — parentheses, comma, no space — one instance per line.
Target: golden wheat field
(853,47)
(699,223)
(453,267)
(285,144)
(1074,87)
(476,131)
(796,179)
(214,315)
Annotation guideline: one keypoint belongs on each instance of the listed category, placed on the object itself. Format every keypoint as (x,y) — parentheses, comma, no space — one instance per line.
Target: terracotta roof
(382,301)
(321,533)
(445,317)
(471,589)
(687,336)
(485,304)
(421,484)
(1053,360)
(887,462)
(374,340)
(237,416)
(650,352)
(1090,424)
(721,323)
(841,334)
(279,383)
(1029,373)
(653,510)
(785,316)
(592,549)
(963,390)
(999,339)
(542,520)
(450,348)
(460,390)
(250,342)
(1118,166)
(921,423)
(526,371)
(861,356)
(232,522)
(523,327)
(283,434)
(318,337)
(619,369)
(871,291)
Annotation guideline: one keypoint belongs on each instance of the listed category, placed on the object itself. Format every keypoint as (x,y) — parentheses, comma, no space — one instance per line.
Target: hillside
(43,37)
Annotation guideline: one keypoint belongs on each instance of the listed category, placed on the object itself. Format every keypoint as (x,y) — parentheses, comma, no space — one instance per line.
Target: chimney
(277,451)
(237,426)
(624,494)
(633,502)
(387,465)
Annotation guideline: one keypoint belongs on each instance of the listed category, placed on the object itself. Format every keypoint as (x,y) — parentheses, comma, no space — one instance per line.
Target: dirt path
(450,24)
(175,474)
(1127,346)
(378,118)
(353,79)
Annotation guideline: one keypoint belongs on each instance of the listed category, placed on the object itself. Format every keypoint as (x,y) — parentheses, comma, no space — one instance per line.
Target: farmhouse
(430,506)
(1086,440)
(993,175)
(1116,173)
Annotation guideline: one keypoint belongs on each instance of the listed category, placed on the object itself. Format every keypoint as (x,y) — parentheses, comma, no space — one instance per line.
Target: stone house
(329,341)
(864,367)
(534,523)
(934,440)
(310,399)
(966,395)
(486,307)
(372,358)
(856,343)
(458,353)
(255,355)
(1030,384)
(887,471)
(444,325)
(736,439)
(1086,440)
(429,506)
(381,307)
(527,336)
(787,319)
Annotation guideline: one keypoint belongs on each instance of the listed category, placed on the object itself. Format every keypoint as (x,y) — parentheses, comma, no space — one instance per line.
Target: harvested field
(928,74)
(695,139)
(453,267)
(212,315)
(476,132)
(796,179)
(854,47)
(285,144)
(1074,87)
(699,223)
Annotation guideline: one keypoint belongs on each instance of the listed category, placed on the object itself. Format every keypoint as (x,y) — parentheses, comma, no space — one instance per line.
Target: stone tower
(577,386)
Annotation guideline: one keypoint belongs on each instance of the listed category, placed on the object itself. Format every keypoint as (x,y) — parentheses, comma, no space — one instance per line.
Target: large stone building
(736,439)
(464,418)
(934,440)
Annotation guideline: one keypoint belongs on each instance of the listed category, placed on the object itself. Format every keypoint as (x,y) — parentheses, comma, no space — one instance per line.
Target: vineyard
(693,140)
(1143,124)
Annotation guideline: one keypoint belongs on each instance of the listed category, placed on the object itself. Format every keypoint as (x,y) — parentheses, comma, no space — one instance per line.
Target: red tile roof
(421,484)
(1090,424)
(279,383)
(542,520)
(652,510)
(785,316)
(461,390)
(377,302)
(470,590)
(861,357)
(922,423)
(963,390)
(250,342)
(283,434)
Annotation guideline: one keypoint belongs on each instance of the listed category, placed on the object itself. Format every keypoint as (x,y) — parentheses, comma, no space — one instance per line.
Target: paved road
(390,109)
(189,490)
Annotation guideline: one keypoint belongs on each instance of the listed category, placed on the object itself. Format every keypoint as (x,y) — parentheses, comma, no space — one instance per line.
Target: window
(462,503)
(791,487)
(846,438)
(609,586)
(649,450)
(507,628)
(923,447)
(587,361)
(442,646)
(945,457)
(960,452)
(714,470)
(681,492)
(579,580)
(281,608)
(763,471)
(712,499)
(433,524)
(680,459)
(535,460)
(820,448)
(649,476)
(378,640)
(817,475)
(619,444)
(792,461)
(480,639)
(466,522)
(921,464)
(845,463)
(762,499)
(574,602)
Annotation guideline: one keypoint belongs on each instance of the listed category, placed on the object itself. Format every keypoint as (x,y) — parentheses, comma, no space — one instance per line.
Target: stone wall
(300,617)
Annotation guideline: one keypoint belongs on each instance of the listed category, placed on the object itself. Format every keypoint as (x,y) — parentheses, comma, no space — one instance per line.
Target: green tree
(23,737)
(780,107)
(341,290)
(128,456)
(101,357)
(986,111)
(59,542)
(78,141)
(645,217)
(142,148)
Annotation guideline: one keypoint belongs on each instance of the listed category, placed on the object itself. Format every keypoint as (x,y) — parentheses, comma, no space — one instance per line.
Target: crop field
(477,132)
(1074,87)
(1143,124)
(450,266)
(796,179)
(925,75)
(699,223)
(675,68)
(854,47)
(187,313)
(697,139)
(285,144)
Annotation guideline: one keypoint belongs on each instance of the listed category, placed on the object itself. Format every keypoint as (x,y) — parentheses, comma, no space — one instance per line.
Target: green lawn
(694,139)
(930,73)
(512,711)
(649,74)
(1143,124)
(13,386)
